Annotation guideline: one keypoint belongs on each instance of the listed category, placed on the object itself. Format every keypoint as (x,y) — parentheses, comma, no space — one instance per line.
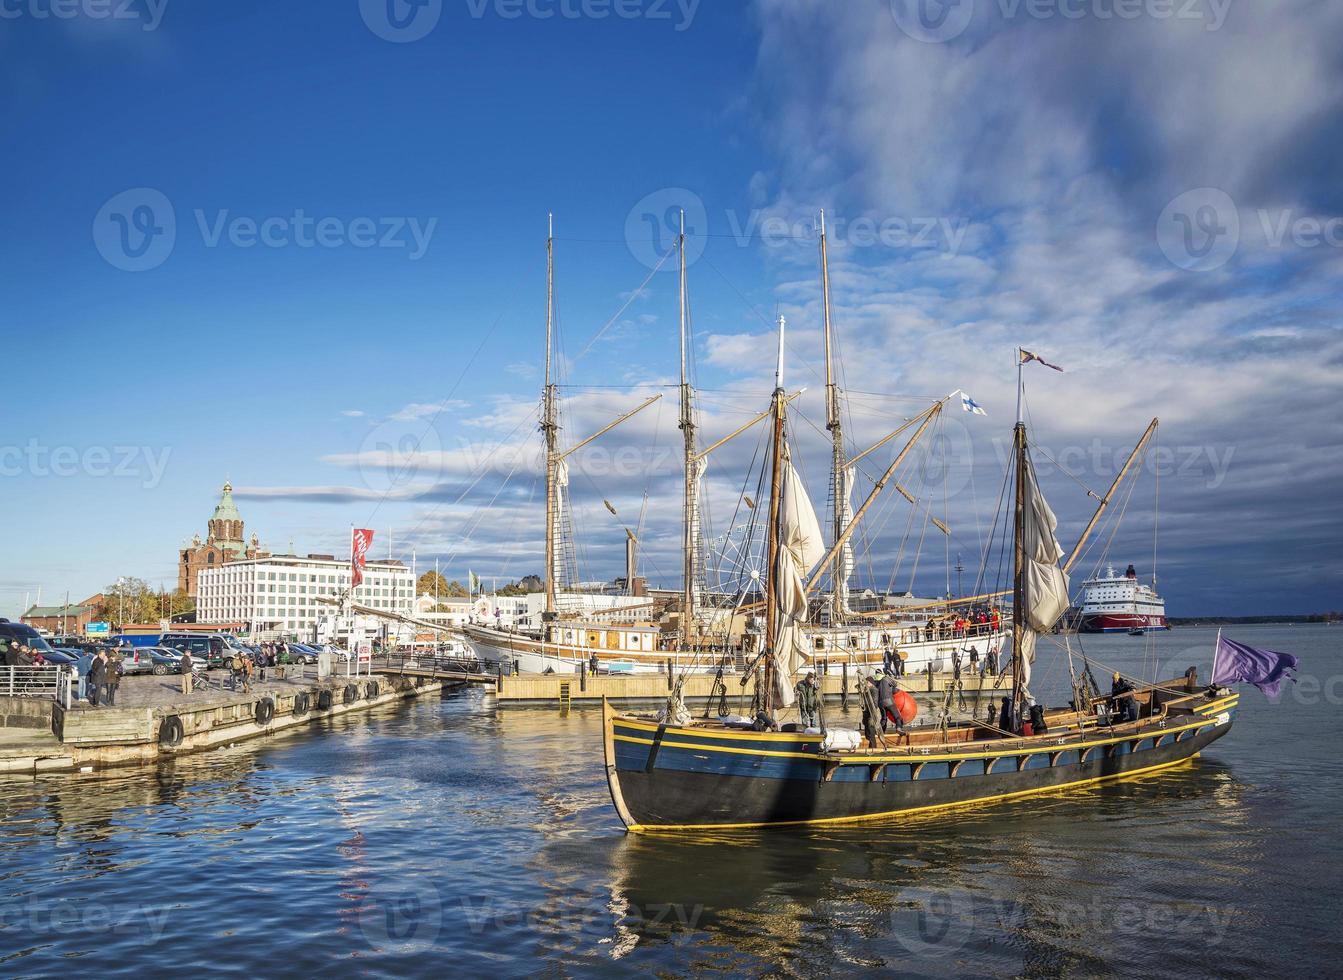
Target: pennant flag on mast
(473,581)
(1027,357)
(360,541)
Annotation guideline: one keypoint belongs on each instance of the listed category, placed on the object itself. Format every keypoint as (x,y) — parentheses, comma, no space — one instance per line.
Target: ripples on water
(444,836)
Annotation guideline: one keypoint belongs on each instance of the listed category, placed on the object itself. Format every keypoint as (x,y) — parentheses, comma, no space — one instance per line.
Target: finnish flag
(971,406)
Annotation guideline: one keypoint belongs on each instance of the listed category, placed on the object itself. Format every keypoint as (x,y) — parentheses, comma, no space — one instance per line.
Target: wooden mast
(550,425)
(772,532)
(691,504)
(839,578)
(1018,566)
(1018,551)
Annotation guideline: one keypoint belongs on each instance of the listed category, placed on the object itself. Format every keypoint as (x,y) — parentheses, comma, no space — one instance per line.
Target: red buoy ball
(905,704)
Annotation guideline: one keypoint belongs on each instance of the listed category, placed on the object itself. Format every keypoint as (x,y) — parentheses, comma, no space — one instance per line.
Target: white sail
(1044,585)
(801,546)
(846,553)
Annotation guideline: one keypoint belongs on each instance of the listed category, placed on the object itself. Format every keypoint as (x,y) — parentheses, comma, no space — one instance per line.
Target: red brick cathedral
(223,543)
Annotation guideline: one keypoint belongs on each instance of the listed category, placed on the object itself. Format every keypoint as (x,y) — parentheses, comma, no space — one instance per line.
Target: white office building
(280,594)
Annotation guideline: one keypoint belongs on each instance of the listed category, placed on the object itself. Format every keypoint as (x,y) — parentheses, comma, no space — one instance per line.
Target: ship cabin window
(853,642)
(820,643)
(568,636)
(885,639)
(593,639)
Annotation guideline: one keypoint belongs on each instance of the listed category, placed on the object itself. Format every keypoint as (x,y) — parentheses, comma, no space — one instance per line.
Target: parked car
(208,648)
(62,655)
(165,660)
(134,660)
(301,653)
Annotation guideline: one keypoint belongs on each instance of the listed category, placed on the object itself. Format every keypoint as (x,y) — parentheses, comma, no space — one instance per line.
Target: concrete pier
(153,719)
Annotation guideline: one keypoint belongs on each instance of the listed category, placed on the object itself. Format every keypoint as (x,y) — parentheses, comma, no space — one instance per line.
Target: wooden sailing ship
(669,773)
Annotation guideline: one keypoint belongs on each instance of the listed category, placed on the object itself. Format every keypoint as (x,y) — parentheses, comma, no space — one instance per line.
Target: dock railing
(47,681)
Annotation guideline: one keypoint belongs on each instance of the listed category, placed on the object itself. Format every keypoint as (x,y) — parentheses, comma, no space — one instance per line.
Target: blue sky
(1028,180)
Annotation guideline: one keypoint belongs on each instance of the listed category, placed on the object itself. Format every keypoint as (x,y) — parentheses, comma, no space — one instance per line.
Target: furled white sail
(846,553)
(1044,585)
(801,546)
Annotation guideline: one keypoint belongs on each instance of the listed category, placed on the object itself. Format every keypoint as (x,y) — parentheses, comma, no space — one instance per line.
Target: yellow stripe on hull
(863,818)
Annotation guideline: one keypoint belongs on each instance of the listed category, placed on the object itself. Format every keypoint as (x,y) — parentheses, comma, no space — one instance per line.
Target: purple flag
(1236,663)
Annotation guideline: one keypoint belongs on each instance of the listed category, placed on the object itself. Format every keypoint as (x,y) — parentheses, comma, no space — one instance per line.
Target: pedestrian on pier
(114,671)
(188,673)
(592,664)
(98,677)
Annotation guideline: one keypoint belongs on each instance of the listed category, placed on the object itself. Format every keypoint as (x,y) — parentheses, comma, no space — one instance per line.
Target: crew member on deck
(1121,693)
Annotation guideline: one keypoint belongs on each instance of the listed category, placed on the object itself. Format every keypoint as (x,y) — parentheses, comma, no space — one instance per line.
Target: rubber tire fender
(373,690)
(351,693)
(264,712)
(302,703)
(171,732)
(324,701)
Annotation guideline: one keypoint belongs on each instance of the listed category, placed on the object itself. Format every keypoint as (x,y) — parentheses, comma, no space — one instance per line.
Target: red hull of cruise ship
(1121,622)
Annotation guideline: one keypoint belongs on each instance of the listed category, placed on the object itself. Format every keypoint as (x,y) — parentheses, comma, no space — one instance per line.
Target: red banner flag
(359,545)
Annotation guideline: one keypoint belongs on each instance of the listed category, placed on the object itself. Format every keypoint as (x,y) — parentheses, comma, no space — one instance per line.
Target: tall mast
(772,536)
(1018,550)
(549,424)
(839,592)
(691,504)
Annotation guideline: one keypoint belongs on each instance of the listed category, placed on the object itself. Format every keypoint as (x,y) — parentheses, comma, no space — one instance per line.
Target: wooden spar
(839,588)
(1109,495)
(690,505)
(772,537)
(887,438)
(609,426)
(549,424)
(743,427)
(928,416)
(1018,566)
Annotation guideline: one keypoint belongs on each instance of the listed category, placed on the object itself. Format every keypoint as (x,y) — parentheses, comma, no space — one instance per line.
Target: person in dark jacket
(1121,693)
(115,668)
(886,689)
(188,672)
(98,678)
(868,693)
(808,700)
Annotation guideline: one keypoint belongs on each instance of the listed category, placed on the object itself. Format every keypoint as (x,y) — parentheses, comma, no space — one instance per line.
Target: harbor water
(443,836)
